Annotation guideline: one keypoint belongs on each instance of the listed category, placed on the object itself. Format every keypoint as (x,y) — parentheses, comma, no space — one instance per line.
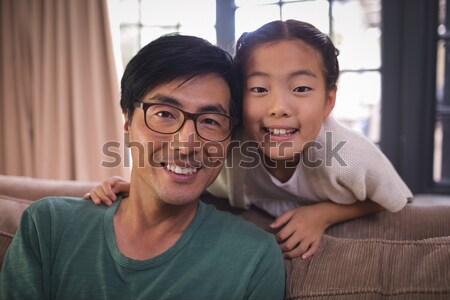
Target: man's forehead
(208,92)
(171,100)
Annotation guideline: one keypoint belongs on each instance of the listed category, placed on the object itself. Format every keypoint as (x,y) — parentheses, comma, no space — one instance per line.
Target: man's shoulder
(57,202)
(233,227)
(63,207)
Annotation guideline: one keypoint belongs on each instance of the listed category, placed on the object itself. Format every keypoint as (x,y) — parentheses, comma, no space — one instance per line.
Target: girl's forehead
(284,47)
(292,52)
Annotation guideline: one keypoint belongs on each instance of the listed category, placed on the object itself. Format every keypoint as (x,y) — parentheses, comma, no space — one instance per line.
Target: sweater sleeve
(348,167)
(26,272)
(230,183)
(219,188)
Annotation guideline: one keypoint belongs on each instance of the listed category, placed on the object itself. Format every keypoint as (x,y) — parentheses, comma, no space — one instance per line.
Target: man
(179,98)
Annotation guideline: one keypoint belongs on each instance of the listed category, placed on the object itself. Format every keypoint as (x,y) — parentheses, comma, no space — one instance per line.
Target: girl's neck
(281,169)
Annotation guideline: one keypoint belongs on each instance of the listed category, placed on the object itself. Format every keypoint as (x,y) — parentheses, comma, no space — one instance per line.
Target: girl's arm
(303,227)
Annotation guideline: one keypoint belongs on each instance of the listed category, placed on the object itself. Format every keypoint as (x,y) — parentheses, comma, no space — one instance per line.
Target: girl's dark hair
(172,57)
(289,30)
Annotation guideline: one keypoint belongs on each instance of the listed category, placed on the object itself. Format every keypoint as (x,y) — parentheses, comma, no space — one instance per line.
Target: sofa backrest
(17,193)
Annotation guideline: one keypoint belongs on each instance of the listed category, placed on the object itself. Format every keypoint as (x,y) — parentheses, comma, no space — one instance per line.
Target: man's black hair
(172,57)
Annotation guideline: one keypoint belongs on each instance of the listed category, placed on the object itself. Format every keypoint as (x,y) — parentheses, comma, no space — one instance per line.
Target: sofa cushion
(403,255)
(372,269)
(411,223)
(11,210)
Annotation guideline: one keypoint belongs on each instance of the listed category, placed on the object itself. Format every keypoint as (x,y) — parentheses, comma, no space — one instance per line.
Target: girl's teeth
(180,170)
(281,131)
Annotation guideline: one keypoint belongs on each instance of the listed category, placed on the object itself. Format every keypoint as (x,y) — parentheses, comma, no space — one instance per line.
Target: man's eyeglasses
(168,119)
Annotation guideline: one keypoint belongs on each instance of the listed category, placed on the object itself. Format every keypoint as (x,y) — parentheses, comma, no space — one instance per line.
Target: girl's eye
(258,90)
(302,89)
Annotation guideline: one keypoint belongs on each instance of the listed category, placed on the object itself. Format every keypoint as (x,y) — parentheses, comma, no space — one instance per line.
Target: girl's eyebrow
(175,102)
(293,74)
(257,73)
(303,73)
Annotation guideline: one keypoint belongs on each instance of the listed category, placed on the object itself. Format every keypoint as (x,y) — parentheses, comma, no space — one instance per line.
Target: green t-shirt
(65,248)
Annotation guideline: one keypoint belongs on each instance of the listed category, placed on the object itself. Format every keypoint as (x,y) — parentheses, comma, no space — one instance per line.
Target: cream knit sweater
(356,171)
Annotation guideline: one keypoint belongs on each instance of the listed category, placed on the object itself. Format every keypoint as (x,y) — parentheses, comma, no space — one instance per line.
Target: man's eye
(209,121)
(164,114)
(302,89)
(258,90)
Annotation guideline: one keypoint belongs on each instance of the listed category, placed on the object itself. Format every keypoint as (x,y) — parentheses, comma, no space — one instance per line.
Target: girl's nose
(279,107)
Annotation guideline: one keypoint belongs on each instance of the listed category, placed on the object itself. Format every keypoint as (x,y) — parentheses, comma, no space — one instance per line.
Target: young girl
(311,172)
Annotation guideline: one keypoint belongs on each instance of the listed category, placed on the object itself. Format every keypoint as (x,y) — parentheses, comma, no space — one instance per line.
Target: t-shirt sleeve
(268,280)
(23,273)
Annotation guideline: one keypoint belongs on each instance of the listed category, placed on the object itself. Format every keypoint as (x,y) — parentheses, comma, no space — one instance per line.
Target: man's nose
(186,140)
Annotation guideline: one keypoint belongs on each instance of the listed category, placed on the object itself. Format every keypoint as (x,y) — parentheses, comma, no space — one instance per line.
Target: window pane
(176,16)
(149,34)
(314,12)
(441,162)
(240,3)
(441,168)
(160,13)
(129,40)
(440,71)
(358,102)
(207,33)
(198,13)
(358,37)
(250,18)
(129,11)
(441,13)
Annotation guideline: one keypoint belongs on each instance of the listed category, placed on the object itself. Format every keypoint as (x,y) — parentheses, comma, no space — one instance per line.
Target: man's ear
(126,128)
(126,123)
(330,101)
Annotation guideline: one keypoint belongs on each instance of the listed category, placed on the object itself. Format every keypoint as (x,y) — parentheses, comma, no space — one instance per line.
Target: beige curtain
(59,92)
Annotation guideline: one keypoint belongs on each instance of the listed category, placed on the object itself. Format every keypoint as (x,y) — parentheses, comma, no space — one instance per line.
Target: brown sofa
(405,255)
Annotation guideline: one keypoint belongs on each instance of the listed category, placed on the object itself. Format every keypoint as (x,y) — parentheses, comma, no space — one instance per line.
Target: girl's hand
(106,192)
(302,231)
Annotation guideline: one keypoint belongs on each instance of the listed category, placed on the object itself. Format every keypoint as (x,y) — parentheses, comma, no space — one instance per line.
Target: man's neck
(147,227)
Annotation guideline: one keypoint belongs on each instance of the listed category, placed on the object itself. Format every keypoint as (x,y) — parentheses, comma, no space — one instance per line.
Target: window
(142,21)
(357,38)
(441,163)
(396,91)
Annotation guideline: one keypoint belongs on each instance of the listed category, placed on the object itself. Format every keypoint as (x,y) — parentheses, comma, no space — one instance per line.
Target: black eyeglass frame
(187,116)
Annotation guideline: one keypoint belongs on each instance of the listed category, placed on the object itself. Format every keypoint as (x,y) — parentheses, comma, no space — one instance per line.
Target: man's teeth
(180,170)
(281,131)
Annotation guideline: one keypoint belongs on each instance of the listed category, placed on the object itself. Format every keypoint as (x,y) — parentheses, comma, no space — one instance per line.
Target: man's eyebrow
(215,108)
(166,99)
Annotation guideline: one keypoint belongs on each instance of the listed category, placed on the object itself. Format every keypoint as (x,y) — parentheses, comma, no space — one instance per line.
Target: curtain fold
(59,93)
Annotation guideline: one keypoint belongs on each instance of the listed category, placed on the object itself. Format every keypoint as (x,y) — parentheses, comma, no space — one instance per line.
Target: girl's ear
(330,101)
